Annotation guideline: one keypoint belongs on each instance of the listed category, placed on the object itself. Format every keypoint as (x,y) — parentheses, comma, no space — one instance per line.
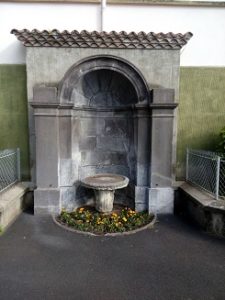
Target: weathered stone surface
(104,186)
(68,171)
(87,143)
(42,66)
(125,197)
(87,78)
(92,170)
(84,196)
(113,144)
(110,126)
(163,95)
(47,151)
(116,127)
(161,200)
(11,204)
(78,98)
(202,208)
(141,197)
(140,207)
(47,201)
(65,137)
(162,139)
(143,146)
(89,126)
(104,201)
(105,181)
(45,94)
(105,158)
(68,197)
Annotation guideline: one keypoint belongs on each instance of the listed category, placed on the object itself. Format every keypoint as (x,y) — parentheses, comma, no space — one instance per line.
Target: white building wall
(206,48)
(41,16)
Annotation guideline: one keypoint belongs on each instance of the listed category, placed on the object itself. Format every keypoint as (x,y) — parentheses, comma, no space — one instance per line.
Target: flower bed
(88,220)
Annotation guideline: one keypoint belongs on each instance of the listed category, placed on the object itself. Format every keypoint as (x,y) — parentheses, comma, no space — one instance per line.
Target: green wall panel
(13,113)
(201,111)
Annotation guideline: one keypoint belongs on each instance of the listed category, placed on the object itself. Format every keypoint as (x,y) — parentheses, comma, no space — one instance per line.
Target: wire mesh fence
(222,179)
(206,170)
(9,167)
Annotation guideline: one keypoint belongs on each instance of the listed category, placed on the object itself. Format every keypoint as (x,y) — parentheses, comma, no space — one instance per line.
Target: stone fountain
(102,103)
(104,186)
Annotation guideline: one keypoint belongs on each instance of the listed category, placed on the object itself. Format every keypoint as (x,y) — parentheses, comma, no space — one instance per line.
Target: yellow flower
(125,219)
(81,209)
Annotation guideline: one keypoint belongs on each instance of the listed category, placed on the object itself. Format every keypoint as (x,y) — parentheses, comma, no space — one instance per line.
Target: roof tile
(95,39)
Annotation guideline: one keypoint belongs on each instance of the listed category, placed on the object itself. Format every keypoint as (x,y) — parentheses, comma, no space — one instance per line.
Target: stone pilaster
(161,192)
(47,195)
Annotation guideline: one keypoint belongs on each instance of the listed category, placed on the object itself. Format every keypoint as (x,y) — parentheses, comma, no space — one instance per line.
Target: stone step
(11,203)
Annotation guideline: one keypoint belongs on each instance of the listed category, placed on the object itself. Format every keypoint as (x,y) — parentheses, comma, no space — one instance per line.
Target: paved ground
(39,260)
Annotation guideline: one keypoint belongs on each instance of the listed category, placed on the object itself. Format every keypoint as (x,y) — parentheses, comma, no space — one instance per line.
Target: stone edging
(149,225)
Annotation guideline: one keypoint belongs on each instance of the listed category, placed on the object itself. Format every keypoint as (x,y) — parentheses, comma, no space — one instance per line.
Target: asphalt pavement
(175,260)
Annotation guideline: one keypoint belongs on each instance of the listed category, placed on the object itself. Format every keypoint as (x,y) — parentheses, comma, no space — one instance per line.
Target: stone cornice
(163,105)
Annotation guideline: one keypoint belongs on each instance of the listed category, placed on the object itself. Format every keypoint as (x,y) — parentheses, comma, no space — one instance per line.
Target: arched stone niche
(104,93)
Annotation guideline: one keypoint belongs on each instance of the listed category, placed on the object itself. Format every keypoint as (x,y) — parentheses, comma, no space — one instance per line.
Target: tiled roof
(94,39)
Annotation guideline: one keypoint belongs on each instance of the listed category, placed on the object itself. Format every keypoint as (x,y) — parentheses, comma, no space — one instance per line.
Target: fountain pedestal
(104,186)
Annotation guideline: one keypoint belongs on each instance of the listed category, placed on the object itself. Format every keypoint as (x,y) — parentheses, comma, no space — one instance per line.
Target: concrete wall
(13,112)
(201,111)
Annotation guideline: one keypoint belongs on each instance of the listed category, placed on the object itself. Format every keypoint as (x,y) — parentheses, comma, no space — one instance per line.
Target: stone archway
(125,71)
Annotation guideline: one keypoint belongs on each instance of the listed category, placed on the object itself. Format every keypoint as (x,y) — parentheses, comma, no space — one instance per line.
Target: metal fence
(206,170)
(9,167)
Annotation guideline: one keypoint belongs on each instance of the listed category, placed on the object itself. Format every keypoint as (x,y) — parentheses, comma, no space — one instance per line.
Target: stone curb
(149,225)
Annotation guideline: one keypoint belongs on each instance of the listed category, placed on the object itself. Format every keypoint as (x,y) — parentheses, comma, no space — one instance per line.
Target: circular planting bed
(121,220)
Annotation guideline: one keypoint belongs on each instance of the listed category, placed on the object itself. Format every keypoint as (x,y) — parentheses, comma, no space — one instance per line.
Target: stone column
(161,196)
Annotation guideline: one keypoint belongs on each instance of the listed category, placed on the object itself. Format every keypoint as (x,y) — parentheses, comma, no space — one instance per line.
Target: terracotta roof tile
(95,39)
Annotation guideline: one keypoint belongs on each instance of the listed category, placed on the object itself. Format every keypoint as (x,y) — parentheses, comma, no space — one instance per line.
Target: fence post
(187,162)
(217,176)
(18,164)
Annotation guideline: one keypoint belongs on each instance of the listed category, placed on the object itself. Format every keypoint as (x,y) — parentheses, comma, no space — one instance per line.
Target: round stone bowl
(104,186)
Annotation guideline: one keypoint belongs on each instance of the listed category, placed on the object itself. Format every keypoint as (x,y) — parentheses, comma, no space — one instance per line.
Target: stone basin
(104,186)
